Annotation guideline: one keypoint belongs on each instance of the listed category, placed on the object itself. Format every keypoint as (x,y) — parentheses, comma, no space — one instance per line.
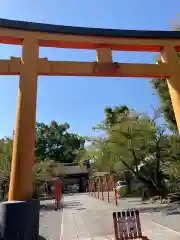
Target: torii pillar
(169,56)
(24,137)
(21,213)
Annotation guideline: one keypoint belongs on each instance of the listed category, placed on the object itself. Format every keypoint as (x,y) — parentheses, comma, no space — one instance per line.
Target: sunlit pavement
(50,220)
(86,218)
(167,215)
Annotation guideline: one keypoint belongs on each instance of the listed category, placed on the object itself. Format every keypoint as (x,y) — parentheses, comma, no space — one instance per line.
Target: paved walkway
(87,218)
(165,214)
(50,221)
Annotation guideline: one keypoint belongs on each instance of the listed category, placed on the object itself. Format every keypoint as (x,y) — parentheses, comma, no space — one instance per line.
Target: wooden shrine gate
(34,35)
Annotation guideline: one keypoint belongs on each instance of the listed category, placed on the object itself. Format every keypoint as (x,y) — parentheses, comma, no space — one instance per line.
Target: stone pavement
(50,221)
(87,218)
(165,214)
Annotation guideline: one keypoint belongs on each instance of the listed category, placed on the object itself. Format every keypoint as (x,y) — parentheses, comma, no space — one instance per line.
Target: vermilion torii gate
(33,35)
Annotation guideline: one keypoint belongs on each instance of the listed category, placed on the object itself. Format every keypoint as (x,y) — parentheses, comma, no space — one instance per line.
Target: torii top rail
(47,35)
(34,35)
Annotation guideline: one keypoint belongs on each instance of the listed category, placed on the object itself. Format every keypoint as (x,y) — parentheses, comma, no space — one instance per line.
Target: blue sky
(80,100)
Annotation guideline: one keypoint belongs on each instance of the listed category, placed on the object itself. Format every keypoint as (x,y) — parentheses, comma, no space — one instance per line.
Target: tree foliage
(135,143)
(54,142)
(54,145)
(161,87)
(132,145)
(44,171)
(5,157)
(5,164)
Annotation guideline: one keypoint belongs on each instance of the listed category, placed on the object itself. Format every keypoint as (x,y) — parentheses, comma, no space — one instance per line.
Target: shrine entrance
(75,178)
(33,35)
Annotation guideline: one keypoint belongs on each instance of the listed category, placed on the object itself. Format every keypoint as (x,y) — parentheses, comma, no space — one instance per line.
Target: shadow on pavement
(169,210)
(41,238)
(176,212)
(80,209)
(144,203)
(49,207)
(134,200)
(68,194)
(45,198)
(76,205)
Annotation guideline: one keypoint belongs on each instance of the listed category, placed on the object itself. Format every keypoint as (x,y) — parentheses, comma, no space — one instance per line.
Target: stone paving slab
(167,215)
(156,231)
(99,238)
(50,221)
(87,218)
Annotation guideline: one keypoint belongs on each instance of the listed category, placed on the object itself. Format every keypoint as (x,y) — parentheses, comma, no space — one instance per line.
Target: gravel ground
(50,221)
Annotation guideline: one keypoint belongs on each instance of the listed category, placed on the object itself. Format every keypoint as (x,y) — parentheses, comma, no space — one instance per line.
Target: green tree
(135,143)
(45,171)
(5,164)
(54,142)
(113,116)
(161,87)
(172,166)
(99,146)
